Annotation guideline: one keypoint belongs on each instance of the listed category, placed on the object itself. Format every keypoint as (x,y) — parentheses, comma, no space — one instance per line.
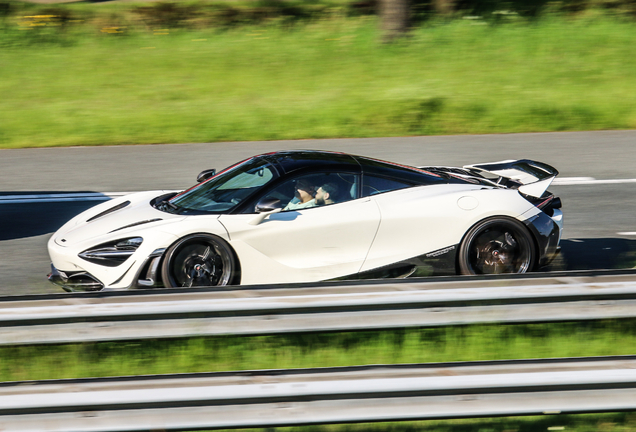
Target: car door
(306,244)
(416,221)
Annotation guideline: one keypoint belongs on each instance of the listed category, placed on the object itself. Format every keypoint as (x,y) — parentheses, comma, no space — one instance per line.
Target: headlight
(113,253)
(129,244)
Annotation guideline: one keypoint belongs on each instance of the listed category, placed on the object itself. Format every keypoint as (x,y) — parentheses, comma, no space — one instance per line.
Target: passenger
(326,194)
(303,196)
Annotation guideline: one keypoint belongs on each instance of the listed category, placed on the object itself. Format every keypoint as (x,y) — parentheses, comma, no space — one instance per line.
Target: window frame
(293,176)
(385,177)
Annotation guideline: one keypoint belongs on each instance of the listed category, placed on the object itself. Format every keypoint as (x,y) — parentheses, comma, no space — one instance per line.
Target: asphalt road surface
(597,183)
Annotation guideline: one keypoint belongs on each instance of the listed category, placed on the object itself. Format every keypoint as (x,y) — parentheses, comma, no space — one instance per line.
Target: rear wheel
(497,245)
(199,260)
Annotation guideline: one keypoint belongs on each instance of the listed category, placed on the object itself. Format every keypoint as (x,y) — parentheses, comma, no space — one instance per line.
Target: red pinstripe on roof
(407,167)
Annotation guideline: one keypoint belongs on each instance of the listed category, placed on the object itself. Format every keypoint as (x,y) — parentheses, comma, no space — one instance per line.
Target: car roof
(292,160)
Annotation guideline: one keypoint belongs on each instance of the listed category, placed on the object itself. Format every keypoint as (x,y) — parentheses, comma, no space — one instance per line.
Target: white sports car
(307,216)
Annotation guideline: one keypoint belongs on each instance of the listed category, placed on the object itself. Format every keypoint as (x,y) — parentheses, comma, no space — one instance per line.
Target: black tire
(497,245)
(199,260)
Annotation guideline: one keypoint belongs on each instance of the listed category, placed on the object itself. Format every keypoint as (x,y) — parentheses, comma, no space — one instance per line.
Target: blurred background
(439,82)
(122,72)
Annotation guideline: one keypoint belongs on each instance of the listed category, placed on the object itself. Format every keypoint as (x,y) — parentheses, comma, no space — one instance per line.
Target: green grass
(324,79)
(483,342)
(612,422)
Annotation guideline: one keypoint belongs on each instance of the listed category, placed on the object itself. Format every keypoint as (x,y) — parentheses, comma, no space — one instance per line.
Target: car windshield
(226,190)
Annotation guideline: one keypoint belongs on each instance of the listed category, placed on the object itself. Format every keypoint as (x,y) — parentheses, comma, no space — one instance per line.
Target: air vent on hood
(110,210)
(135,224)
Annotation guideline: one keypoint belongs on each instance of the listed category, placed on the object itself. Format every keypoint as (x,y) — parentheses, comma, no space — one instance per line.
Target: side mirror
(265,207)
(268,204)
(204,175)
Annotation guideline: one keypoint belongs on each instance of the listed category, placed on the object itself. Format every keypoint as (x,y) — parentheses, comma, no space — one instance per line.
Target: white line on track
(60,197)
(572,181)
(96,196)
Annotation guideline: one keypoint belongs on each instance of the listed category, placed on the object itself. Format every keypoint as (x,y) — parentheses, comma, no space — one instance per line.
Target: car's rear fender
(426,219)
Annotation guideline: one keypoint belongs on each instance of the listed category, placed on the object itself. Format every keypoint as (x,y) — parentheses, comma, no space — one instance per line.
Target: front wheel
(497,245)
(199,260)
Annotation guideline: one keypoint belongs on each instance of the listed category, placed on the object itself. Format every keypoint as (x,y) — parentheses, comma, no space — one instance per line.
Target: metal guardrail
(313,396)
(77,318)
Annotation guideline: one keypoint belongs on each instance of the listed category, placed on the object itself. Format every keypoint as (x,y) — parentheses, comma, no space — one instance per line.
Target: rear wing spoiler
(535,177)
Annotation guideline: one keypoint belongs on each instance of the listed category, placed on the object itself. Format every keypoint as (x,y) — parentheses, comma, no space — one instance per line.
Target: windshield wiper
(169,207)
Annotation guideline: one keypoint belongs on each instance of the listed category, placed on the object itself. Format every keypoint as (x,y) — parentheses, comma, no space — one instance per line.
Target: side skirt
(441,262)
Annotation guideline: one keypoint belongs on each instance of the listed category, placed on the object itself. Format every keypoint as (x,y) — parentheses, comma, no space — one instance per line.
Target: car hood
(117,218)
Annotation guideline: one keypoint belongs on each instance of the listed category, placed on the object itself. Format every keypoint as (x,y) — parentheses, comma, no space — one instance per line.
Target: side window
(372,185)
(317,189)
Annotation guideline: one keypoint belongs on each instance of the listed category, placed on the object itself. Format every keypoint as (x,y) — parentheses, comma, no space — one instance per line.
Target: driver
(303,196)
